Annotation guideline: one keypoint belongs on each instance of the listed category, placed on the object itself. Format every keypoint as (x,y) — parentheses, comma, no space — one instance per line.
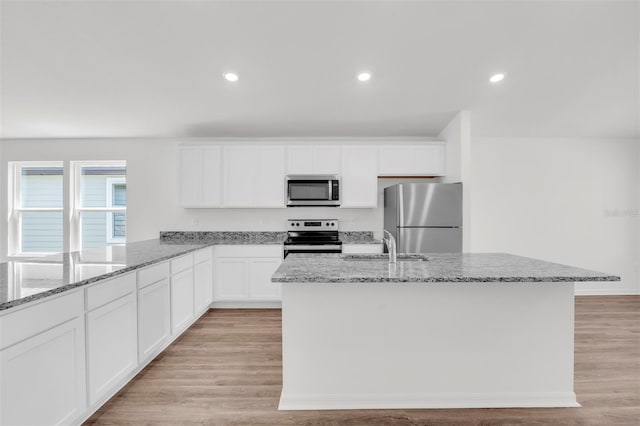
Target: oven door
(311,191)
(312,248)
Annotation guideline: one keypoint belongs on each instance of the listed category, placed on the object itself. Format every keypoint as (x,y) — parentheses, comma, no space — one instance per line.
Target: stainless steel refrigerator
(424,217)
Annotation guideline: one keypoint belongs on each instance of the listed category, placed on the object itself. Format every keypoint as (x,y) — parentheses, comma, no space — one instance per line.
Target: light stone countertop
(467,267)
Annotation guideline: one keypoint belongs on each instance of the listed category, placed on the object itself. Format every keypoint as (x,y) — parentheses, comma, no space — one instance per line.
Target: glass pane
(119,197)
(41,186)
(97,182)
(309,191)
(41,232)
(119,225)
(101,229)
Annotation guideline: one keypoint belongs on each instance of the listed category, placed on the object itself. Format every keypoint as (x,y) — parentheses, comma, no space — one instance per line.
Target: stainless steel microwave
(313,190)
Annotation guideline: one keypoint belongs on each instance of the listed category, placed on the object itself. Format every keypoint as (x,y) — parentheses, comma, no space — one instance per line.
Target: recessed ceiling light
(364,76)
(497,78)
(229,76)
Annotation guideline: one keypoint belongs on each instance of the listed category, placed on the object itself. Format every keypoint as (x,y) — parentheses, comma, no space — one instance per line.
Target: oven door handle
(294,247)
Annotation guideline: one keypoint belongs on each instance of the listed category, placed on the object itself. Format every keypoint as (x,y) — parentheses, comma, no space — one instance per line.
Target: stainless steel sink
(404,257)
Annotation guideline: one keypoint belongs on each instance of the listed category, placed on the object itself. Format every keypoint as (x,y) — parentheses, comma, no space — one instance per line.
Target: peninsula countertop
(466,267)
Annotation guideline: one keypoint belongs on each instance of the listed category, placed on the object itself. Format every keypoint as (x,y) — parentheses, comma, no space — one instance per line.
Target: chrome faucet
(391,246)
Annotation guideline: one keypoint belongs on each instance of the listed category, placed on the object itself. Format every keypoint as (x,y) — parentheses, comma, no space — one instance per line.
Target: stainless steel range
(312,236)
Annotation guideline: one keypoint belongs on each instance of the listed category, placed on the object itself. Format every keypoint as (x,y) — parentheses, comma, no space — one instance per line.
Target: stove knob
(333,224)
(298,224)
(327,223)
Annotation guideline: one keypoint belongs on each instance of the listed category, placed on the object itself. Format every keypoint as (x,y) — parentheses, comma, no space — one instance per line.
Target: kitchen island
(457,330)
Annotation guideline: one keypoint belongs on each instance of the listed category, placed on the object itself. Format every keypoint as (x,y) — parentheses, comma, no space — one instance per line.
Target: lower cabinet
(243,273)
(203,285)
(43,377)
(181,300)
(112,344)
(362,248)
(154,319)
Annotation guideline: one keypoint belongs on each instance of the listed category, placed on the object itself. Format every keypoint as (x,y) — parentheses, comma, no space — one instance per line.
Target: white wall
(562,200)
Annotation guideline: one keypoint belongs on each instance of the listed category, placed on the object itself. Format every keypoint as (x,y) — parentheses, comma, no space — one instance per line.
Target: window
(36,208)
(101,211)
(47,215)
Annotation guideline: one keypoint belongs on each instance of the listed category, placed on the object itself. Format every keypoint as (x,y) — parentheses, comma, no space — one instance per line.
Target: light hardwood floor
(226,370)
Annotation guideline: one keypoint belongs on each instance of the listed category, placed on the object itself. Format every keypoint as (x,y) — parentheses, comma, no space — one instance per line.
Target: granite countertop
(358,237)
(28,279)
(467,267)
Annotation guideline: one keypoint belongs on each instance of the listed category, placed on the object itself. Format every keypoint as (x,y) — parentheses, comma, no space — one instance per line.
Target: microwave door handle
(330,190)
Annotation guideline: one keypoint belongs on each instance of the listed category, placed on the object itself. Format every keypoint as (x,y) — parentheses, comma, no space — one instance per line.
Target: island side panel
(427,345)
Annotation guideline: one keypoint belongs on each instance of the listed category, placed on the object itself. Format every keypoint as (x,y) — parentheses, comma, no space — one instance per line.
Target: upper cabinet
(199,171)
(253,176)
(313,159)
(424,159)
(359,176)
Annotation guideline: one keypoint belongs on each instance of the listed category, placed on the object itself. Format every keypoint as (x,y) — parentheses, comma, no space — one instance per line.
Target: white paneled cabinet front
(412,160)
(203,280)
(313,159)
(154,318)
(359,176)
(112,338)
(253,176)
(200,177)
(42,370)
(243,273)
(182,295)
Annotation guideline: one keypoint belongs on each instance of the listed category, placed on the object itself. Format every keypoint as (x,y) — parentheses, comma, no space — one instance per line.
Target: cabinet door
(203,281)
(260,285)
(232,279)
(360,176)
(43,377)
(210,176)
(429,160)
(327,159)
(111,345)
(300,159)
(188,180)
(238,165)
(269,185)
(181,300)
(395,160)
(154,318)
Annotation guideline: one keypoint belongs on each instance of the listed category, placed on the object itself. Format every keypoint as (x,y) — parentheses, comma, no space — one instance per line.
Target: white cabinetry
(362,248)
(253,176)
(314,159)
(182,293)
(200,176)
(242,274)
(42,362)
(425,159)
(359,176)
(112,341)
(203,280)
(154,310)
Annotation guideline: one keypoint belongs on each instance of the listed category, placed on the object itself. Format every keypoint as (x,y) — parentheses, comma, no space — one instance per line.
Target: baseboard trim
(246,305)
(427,400)
(607,292)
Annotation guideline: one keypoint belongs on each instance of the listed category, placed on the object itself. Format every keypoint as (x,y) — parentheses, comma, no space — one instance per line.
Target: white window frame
(76,209)
(110,183)
(14,248)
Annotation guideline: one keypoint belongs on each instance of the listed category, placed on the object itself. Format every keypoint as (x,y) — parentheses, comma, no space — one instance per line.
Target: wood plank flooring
(226,370)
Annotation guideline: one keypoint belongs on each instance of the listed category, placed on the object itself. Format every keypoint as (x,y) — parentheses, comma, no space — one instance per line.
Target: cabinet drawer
(250,251)
(181,263)
(202,255)
(108,290)
(153,274)
(28,322)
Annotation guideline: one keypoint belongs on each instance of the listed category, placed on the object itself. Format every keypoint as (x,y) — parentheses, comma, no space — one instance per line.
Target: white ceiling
(153,68)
